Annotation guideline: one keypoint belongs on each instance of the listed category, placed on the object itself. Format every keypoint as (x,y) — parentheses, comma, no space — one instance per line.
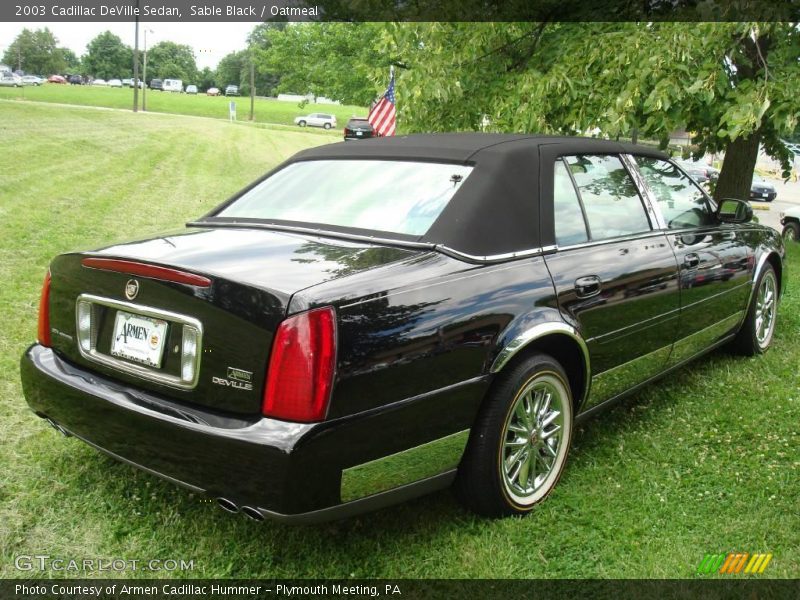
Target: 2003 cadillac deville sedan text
(371,322)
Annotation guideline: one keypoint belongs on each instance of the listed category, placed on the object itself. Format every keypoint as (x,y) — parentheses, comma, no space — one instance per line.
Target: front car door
(615,274)
(715,260)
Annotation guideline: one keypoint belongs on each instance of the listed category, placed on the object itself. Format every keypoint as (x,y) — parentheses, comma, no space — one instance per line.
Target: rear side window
(568,214)
(682,202)
(609,196)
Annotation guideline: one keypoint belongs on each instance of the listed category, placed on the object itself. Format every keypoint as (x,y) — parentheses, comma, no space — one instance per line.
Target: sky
(210,41)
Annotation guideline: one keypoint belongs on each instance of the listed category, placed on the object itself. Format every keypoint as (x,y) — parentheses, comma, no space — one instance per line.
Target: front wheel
(755,336)
(791,232)
(326,126)
(519,444)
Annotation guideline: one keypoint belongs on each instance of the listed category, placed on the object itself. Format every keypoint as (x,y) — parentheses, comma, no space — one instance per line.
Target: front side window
(403,197)
(609,195)
(682,202)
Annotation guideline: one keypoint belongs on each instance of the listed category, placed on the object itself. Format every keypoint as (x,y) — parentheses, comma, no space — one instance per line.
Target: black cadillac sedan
(312,348)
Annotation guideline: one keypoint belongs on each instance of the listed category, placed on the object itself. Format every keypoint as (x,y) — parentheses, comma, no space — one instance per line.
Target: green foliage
(232,69)
(335,60)
(107,57)
(37,52)
(168,60)
(73,63)
(722,81)
(205,79)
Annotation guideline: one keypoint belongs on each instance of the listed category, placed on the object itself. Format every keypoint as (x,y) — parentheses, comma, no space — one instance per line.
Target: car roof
(496,212)
(460,147)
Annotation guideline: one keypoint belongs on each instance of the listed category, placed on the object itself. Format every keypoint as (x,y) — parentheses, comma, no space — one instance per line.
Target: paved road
(788,196)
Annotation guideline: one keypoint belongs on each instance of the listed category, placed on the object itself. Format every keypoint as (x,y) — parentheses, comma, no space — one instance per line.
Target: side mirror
(732,210)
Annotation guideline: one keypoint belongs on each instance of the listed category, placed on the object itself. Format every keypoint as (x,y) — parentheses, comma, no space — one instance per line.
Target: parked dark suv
(75,80)
(157,84)
(358,129)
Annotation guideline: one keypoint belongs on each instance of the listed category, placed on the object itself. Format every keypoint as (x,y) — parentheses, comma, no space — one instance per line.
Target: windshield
(396,196)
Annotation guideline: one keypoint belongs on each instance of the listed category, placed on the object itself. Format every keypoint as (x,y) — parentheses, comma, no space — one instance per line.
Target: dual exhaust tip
(224,503)
(57,427)
(248,511)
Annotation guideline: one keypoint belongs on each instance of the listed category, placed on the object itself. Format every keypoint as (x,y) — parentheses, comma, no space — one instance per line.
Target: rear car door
(615,275)
(715,261)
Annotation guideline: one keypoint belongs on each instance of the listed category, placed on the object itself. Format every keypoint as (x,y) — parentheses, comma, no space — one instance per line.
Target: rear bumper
(285,471)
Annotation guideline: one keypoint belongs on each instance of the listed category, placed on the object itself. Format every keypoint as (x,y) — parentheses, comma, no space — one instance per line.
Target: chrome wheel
(766,305)
(536,438)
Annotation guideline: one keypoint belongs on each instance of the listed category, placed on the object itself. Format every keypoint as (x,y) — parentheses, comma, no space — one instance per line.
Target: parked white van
(173,85)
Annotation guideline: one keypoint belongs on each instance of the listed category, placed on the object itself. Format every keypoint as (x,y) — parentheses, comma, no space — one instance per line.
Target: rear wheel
(791,231)
(755,336)
(519,444)
(302,123)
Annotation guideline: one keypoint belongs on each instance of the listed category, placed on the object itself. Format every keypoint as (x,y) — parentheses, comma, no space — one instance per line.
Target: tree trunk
(736,175)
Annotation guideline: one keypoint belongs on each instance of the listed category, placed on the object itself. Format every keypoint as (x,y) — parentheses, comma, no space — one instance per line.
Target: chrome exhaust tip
(227,505)
(57,427)
(252,513)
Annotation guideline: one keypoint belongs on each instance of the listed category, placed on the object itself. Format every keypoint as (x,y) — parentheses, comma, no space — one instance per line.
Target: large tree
(107,57)
(335,60)
(35,51)
(170,60)
(732,84)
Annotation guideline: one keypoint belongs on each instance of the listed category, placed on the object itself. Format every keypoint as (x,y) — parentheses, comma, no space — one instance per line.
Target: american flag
(382,116)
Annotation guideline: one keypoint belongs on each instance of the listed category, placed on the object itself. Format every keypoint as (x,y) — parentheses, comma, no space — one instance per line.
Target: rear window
(358,123)
(403,197)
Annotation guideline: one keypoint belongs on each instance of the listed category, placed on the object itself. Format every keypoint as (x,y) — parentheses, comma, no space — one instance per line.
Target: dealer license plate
(138,338)
(358,133)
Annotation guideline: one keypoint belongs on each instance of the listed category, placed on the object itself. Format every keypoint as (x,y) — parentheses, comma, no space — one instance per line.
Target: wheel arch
(559,340)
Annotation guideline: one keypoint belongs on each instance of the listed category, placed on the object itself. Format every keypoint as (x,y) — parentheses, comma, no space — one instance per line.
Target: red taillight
(347,131)
(44,313)
(301,367)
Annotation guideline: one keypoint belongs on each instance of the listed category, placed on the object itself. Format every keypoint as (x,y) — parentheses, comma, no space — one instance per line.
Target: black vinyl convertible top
(496,211)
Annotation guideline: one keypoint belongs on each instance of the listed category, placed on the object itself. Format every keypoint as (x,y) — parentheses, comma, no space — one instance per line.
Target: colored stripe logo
(734,563)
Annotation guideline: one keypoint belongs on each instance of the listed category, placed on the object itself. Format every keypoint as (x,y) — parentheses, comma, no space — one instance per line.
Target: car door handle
(586,287)
(691,260)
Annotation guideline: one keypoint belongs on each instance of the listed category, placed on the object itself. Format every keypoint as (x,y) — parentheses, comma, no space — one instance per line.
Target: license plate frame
(139,338)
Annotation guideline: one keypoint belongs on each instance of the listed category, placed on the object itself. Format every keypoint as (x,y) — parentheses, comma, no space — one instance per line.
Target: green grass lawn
(266,110)
(706,461)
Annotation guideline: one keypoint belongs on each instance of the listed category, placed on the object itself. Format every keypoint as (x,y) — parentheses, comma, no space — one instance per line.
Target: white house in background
(5,69)
(306,98)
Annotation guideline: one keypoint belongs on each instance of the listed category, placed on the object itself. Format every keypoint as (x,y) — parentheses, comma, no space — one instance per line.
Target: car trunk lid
(138,311)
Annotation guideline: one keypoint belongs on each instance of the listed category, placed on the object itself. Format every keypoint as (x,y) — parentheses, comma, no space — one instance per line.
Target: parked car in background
(701,168)
(127,82)
(172,85)
(56,79)
(116,83)
(762,190)
(32,80)
(374,321)
(212,91)
(100,82)
(790,219)
(358,128)
(75,80)
(157,84)
(10,80)
(191,89)
(323,120)
(232,90)
(140,82)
